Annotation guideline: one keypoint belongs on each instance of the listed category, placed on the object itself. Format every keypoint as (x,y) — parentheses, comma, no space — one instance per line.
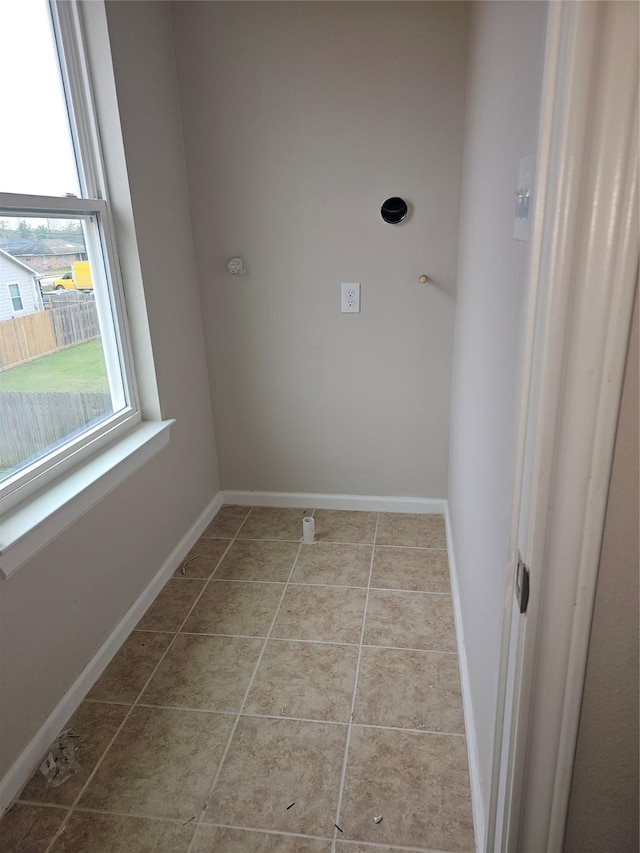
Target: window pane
(36,154)
(16,298)
(58,373)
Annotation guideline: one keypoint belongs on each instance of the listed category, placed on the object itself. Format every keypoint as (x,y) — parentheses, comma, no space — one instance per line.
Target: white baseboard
(21,770)
(303,500)
(477,803)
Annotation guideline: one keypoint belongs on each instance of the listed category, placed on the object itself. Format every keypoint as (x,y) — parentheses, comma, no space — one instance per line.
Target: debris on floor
(186,563)
(377,818)
(61,761)
(291,806)
(337,827)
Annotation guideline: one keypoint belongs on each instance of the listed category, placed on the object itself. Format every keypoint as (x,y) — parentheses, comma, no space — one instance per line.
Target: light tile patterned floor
(275,698)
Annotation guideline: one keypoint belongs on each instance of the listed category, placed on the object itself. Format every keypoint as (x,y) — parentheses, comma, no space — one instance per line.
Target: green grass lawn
(78,368)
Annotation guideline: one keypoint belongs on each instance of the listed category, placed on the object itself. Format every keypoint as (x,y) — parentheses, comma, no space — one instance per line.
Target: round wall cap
(394,210)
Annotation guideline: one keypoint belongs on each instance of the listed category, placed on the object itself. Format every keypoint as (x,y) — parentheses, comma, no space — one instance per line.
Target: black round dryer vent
(394,210)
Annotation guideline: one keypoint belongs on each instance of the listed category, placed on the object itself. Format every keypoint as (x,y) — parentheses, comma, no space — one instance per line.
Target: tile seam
(325,838)
(27,802)
(345,758)
(312,720)
(357,543)
(246,694)
(223,579)
(297,640)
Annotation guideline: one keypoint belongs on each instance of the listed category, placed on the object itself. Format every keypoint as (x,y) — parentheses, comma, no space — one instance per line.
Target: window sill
(29,527)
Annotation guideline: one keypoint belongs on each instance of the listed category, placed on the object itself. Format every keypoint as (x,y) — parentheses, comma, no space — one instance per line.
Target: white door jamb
(583,273)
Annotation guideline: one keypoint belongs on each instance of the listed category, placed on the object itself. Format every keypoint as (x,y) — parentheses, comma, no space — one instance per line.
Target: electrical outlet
(350,297)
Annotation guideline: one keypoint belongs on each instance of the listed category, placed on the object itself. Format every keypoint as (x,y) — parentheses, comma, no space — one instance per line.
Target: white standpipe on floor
(308,529)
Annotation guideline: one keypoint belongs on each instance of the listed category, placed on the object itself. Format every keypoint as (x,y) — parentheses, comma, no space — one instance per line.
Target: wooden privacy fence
(31,422)
(25,337)
(72,320)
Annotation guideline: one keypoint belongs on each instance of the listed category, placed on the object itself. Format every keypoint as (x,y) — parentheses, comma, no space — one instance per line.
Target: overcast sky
(36,156)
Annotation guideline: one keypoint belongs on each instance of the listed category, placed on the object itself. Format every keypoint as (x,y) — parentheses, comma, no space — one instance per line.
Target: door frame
(575,337)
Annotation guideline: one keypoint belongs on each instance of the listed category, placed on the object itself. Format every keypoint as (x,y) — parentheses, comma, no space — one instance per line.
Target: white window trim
(105,462)
(31,526)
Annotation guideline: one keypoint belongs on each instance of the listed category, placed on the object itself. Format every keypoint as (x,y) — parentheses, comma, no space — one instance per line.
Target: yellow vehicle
(78,279)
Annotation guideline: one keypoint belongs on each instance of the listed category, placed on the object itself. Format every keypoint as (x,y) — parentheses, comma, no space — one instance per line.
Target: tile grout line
(242,704)
(180,821)
(390,848)
(277,832)
(238,827)
(35,803)
(410,649)
(88,810)
(324,542)
(283,832)
(345,723)
(134,704)
(222,579)
(256,715)
(343,773)
(429,651)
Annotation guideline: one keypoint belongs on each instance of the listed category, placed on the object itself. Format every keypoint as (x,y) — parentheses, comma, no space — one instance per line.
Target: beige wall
(300,119)
(603,805)
(506,56)
(57,610)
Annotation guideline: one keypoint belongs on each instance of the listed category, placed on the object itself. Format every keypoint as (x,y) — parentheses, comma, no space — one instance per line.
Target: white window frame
(109,299)
(40,501)
(12,297)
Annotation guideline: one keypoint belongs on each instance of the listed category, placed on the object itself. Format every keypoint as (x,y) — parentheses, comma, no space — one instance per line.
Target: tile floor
(275,698)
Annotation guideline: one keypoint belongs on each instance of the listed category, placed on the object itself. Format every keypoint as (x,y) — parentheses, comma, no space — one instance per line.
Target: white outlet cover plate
(350,297)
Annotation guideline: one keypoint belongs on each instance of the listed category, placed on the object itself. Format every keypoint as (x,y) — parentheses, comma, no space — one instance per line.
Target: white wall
(56,611)
(504,80)
(300,119)
(603,805)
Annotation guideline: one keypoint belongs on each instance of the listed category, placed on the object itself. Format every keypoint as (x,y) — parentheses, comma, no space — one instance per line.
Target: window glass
(55,380)
(36,156)
(16,299)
